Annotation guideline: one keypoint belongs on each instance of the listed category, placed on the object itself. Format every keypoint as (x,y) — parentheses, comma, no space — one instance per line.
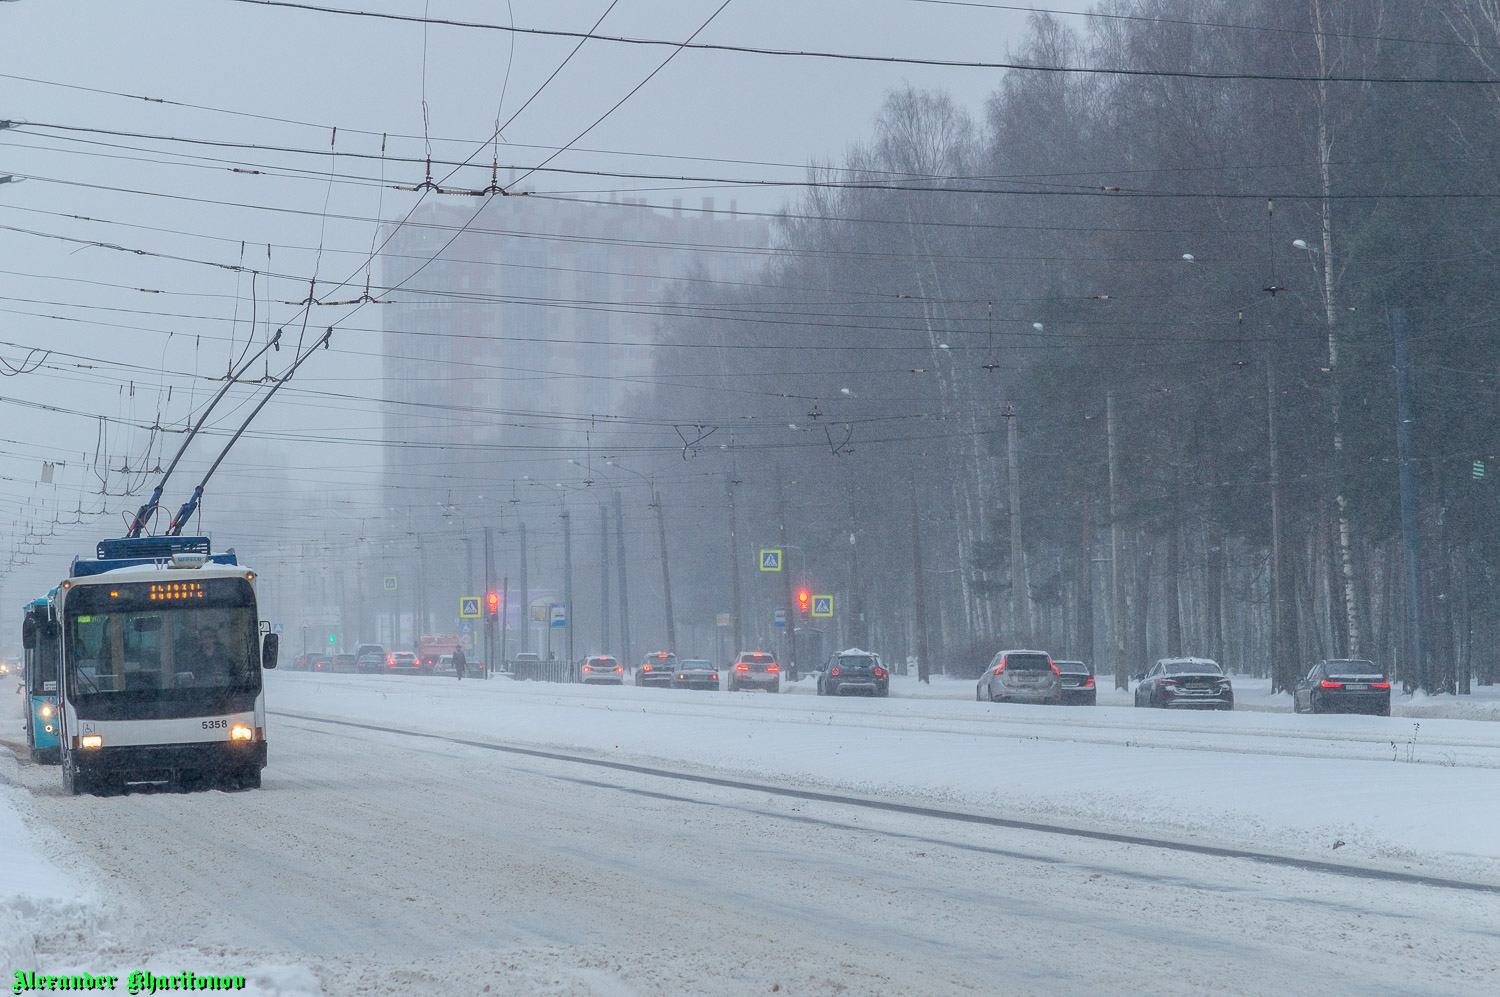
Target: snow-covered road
(381,862)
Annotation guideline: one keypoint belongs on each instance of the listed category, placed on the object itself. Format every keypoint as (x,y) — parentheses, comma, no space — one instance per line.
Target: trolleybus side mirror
(51,630)
(270,645)
(28,632)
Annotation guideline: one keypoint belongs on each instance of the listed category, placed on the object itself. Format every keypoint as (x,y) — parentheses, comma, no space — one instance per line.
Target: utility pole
(1411,537)
(1116,609)
(624,586)
(1280,653)
(525,597)
(1019,610)
(791,606)
(567,578)
(734,565)
(504,612)
(666,574)
(603,578)
(489,619)
(919,594)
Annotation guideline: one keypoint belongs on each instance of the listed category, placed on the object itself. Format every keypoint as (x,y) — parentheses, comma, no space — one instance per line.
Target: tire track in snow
(935,813)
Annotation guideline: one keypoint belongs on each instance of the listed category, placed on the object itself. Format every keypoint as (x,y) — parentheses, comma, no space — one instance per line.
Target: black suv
(854,671)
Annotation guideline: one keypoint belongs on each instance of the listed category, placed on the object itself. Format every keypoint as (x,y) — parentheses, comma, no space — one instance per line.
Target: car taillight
(1055,669)
(742,668)
(645,668)
(587,668)
(880,673)
(1168,681)
(1380,685)
(390,659)
(1332,685)
(619,668)
(834,670)
(772,668)
(999,669)
(1089,682)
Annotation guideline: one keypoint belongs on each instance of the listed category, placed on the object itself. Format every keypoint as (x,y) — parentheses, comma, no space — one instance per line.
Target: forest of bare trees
(1206,293)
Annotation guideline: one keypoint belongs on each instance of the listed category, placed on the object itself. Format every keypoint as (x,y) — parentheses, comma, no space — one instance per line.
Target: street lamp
(666,574)
(562,499)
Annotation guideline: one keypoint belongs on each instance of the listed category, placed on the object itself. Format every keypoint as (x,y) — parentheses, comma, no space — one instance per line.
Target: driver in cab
(213,665)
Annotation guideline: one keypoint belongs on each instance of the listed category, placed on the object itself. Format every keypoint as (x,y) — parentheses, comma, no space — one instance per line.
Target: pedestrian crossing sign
(770,560)
(822,605)
(468,607)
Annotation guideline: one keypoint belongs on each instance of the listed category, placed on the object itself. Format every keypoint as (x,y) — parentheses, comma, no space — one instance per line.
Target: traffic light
(493,602)
(803,599)
(332,639)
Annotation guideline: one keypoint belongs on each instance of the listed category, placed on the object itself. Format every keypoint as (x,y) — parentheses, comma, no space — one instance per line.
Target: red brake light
(1000,668)
(588,668)
(390,659)
(834,670)
(1380,685)
(619,668)
(772,668)
(742,668)
(880,673)
(1332,685)
(1055,669)
(1089,682)
(661,655)
(645,668)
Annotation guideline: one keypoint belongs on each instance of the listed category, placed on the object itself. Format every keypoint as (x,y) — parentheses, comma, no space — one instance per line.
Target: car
(696,673)
(302,662)
(403,662)
(526,666)
(1185,683)
(1077,683)
(599,669)
(344,663)
(1020,676)
(656,669)
(854,671)
(755,670)
(1343,685)
(369,658)
(320,662)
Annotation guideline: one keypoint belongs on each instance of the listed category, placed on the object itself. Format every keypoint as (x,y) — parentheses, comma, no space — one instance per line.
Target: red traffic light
(802,599)
(493,601)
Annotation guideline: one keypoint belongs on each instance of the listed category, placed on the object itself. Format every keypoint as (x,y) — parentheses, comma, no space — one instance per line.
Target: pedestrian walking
(460,663)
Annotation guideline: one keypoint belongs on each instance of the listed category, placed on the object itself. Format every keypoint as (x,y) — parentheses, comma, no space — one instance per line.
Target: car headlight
(240,732)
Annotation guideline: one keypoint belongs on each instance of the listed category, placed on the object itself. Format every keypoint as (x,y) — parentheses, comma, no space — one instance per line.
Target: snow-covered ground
(1388,791)
(380,863)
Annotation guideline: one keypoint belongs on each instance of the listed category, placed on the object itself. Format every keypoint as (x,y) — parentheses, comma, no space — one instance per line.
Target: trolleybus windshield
(160,649)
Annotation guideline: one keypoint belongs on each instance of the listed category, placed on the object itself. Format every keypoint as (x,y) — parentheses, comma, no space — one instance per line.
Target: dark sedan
(1078,686)
(1343,685)
(854,671)
(1185,683)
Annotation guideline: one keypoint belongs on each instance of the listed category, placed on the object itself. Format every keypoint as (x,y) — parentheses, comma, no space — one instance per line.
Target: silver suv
(1020,677)
(755,670)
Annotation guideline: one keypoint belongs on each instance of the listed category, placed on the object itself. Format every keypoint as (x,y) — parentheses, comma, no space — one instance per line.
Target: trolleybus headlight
(46,710)
(238,733)
(91,741)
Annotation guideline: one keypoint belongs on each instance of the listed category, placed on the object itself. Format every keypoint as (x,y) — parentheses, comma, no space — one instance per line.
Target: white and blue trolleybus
(160,680)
